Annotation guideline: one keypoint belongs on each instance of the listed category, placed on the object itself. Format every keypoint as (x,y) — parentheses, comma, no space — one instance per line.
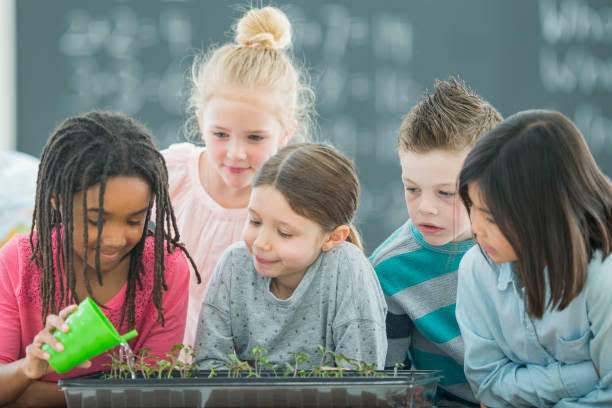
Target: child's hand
(35,363)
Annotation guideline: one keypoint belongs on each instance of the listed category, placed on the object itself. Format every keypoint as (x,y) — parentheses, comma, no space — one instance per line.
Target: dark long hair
(83,151)
(319,182)
(548,198)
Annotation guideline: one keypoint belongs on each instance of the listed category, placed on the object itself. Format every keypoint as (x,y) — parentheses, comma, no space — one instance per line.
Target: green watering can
(90,334)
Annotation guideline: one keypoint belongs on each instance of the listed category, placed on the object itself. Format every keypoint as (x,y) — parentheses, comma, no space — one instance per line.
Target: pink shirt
(20,305)
(206,227)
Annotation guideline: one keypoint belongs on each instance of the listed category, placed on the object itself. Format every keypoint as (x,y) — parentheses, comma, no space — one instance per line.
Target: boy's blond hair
(452,118)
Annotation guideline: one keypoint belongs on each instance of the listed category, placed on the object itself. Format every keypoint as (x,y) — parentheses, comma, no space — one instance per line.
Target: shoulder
(16,253)
(346,251)
(175,260)
(473,260)
(17,272)
(235,257)
(347,260)
(181,154)
(399,242)
(478,273)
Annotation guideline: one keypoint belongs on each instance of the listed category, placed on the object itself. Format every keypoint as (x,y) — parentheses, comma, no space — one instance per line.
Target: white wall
(8,79)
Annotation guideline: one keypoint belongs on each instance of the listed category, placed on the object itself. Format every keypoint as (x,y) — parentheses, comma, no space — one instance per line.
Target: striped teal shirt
(419,281)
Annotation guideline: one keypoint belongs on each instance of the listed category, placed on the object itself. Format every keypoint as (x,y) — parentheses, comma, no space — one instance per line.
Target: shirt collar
(506,274)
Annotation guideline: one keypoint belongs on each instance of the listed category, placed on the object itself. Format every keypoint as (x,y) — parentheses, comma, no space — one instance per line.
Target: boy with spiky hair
(417,265)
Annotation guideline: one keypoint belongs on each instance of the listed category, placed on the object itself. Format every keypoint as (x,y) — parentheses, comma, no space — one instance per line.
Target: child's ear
(336,237)
(288,134)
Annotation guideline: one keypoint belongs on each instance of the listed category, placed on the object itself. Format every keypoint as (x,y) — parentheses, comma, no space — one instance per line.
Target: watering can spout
(128,336)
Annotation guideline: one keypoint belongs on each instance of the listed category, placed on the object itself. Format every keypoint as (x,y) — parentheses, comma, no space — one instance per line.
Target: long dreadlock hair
(83,151)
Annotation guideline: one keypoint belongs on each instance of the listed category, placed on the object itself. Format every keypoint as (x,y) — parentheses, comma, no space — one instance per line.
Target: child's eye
(284,234)
(254,222)
(135,222)
(490,220)
(255,138)
(412,190)
(220,135)
(446,193)
(94,222)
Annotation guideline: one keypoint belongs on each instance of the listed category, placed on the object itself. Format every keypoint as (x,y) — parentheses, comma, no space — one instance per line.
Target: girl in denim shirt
(534,300)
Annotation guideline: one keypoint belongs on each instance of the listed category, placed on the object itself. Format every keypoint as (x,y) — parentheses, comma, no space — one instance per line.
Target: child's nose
(426,206)
(113,236)
(236,150)
(477,229)
(262,241)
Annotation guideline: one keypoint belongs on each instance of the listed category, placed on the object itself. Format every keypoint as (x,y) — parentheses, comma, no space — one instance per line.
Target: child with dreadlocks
(99,176)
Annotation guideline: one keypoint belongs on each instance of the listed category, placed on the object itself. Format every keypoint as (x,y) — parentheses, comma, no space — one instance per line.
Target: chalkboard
(370,62)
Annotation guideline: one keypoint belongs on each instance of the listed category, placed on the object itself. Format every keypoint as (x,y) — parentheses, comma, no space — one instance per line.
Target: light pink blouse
(206,228)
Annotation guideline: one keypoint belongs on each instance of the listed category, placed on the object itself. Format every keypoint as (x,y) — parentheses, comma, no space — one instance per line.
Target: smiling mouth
(264,261)
(110,256)
(236,170)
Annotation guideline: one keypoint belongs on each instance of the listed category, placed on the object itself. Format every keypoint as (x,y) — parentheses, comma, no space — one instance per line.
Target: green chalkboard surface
(369,60)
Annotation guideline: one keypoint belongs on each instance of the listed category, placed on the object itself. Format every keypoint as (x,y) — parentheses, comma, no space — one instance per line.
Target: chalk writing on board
(104,55)
(572,63)
(384,85)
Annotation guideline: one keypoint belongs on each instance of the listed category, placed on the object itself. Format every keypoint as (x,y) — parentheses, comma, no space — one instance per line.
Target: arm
(599,307)
(359,325)
(363,340)
(214,338)
(495,379)
(20,378)
(398,325)
(41,394)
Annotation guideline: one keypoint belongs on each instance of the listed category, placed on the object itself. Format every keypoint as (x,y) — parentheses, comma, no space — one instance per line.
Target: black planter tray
(407,389)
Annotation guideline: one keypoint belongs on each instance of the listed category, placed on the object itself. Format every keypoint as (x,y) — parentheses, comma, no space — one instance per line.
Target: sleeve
(398,325)
(160,339)
(399,334)
(214,338)
(10,324)
(178,158)
(494,378)
(362,336)
(599,309)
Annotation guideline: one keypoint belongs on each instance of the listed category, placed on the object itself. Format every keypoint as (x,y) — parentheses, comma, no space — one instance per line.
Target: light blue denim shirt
(512,359)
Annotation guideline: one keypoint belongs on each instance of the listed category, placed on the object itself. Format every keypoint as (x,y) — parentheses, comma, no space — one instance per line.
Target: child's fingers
(67,311)
(86,364)
(46,337)
(56,322)
(34,350)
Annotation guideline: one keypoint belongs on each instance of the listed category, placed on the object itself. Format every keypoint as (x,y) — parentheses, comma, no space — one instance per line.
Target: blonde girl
(248,99)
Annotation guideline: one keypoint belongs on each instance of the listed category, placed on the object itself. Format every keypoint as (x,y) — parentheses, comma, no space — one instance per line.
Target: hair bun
(266,27)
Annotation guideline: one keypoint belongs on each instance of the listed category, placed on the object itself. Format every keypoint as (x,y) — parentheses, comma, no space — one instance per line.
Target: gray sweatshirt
(338,304)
